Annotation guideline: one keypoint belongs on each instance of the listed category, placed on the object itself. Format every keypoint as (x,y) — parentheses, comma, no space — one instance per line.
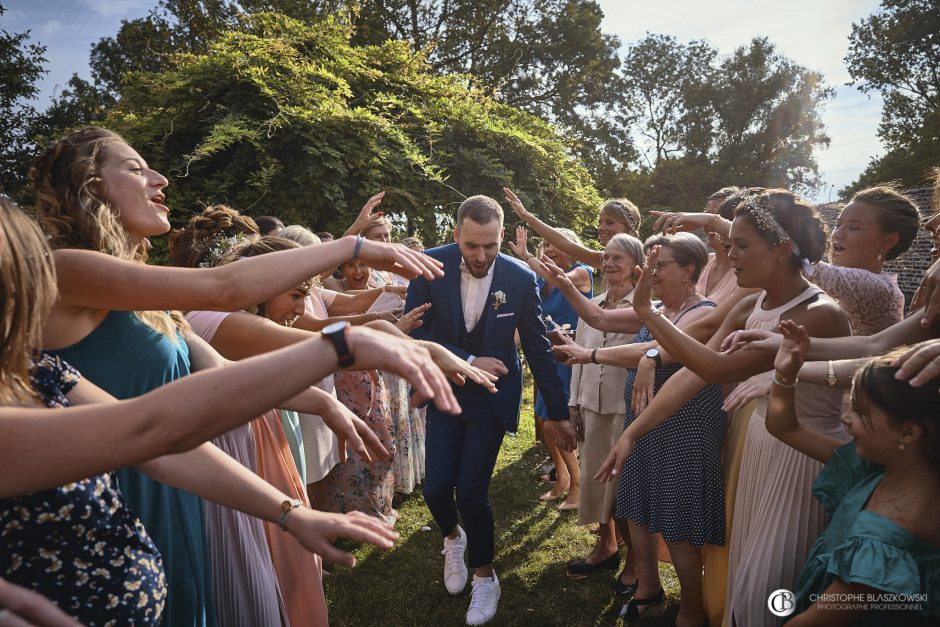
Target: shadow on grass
(534,543)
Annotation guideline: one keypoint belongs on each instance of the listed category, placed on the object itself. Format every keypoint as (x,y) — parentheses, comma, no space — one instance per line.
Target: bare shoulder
(822,316)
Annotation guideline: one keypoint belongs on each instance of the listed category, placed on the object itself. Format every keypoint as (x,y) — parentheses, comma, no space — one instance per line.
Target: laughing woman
(98,201)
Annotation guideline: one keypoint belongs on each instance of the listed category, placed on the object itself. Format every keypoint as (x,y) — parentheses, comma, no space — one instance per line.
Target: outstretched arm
(181,415)
(553,237)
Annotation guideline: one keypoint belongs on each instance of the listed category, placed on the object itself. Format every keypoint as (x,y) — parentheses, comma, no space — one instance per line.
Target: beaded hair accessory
(768,225)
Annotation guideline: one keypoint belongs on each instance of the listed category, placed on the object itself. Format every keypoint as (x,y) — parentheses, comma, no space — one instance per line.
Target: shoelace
(481,590)
(453,557)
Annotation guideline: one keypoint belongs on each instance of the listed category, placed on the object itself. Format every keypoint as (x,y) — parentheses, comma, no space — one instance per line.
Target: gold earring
(900,446)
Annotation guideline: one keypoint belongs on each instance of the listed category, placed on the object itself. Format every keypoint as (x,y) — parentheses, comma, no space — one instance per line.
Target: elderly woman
(671,484)
(596,406)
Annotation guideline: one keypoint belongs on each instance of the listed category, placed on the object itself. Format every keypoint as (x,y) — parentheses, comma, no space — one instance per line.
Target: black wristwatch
(336,333)
(653,353)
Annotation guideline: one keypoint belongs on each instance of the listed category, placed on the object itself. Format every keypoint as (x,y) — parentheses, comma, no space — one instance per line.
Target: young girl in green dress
(880,492)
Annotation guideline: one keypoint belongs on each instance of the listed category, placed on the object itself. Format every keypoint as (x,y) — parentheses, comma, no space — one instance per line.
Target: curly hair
(28,288)
(191,245)
(74,215)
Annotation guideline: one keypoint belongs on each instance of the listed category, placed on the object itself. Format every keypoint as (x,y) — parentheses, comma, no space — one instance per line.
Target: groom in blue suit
(476,309)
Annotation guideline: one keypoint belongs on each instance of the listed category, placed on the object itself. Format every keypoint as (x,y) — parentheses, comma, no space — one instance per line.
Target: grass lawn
(534,543)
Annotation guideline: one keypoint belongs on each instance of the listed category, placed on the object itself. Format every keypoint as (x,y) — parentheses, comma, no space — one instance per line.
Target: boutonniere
(499,298)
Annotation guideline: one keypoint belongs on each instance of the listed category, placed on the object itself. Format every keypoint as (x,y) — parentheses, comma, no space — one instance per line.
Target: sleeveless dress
(79,544)
(246,587)
(299,573)
(860,546)
(127,358)
(407,432)
(776,518)
(671,483)
(555,305)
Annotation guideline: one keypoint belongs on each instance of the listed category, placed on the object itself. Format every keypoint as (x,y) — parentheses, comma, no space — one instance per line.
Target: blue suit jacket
(443,322)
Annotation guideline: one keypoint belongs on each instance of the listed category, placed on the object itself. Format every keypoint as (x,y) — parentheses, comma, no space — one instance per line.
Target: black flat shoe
(580,569)
(638,609)
(624,589)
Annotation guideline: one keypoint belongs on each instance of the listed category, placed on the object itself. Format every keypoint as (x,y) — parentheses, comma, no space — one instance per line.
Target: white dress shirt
(474,293)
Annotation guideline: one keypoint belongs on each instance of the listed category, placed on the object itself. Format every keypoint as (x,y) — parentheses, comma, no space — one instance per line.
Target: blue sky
(813,33)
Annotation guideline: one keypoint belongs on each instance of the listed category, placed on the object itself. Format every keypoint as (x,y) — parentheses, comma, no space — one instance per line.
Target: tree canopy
(896,52)
(287,117)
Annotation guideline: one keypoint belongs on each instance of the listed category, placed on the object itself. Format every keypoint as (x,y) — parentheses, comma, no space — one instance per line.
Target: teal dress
(127,358)
(865,548)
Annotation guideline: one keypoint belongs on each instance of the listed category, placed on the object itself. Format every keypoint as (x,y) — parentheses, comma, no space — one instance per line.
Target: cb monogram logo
(781,602)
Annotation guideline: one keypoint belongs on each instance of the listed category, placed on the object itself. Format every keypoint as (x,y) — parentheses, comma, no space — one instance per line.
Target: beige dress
(776,517)
(598,390)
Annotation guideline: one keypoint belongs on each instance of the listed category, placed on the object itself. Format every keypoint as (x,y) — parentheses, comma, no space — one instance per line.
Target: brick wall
(910,266)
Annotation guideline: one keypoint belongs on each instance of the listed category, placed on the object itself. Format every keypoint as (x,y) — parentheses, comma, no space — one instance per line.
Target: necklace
(681,307)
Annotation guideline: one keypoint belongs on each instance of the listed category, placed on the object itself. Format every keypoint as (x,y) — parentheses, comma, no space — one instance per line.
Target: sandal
(653,606)
(625,589)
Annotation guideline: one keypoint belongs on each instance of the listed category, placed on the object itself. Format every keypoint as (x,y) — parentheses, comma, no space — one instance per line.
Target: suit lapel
(495,286)
(453,285)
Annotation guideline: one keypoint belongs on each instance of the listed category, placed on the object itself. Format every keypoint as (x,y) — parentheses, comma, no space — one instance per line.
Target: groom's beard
(479,271)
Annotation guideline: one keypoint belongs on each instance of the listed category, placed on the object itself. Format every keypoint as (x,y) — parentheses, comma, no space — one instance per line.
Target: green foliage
(21,65)
(703,122)
(896,52)
(289,118)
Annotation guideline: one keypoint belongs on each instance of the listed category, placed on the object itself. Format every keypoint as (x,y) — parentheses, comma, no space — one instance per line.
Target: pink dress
(299,573)
(873,301)
(721,290)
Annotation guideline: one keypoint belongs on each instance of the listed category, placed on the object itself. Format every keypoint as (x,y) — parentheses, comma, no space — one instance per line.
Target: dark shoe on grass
(580,569)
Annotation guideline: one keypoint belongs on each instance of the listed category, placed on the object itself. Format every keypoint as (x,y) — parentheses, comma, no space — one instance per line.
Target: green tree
(290,118)
(896,52)
(21,66)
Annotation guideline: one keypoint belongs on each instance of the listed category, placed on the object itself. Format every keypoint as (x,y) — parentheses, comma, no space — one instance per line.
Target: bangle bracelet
(831,378)
(359,239)
(783,383)
(594,356)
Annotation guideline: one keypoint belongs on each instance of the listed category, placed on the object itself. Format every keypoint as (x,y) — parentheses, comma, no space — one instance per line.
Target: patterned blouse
(78,544)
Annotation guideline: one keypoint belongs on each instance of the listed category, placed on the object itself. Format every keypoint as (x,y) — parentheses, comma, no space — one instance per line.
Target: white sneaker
(455,571)
(483,600)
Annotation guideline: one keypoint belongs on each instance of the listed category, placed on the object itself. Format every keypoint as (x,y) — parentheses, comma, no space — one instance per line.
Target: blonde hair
(74,215)
(300,234)
(28,287)
(380,221)
(623,211)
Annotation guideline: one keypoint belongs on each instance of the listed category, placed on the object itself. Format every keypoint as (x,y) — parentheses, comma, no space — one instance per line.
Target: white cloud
(49,28)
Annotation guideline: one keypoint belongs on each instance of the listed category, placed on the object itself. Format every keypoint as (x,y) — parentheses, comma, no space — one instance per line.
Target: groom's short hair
(481,209)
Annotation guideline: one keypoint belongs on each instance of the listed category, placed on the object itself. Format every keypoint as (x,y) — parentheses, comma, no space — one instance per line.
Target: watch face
(652,353)
(336,326)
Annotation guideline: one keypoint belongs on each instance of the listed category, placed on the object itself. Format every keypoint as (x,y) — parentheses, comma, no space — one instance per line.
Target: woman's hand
(752,339)
(20,607)
(399,260)
(643,292)
(920,363)
(571,351)
(675,221)
(643,385)
(520,248)
(555,275)
(375,350)
(747,391)
(931,294)
(317,531)
(792,352)
(457,369)
(617,457)
(577,421)
(351,431)
(396,288)
(365,217)
(412,320)
(516,205)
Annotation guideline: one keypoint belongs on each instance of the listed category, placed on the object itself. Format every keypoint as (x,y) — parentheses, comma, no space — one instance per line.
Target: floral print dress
(79,544)
(356,485)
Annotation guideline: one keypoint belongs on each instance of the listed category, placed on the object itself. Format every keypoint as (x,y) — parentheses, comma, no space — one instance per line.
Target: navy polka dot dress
(671,483)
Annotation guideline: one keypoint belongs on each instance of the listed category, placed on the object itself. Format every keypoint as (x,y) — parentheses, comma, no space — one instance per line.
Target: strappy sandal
(638,609)
(625,589)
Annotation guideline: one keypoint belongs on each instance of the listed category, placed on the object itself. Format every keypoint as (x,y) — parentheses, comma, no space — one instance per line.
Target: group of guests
(183,444)
(717,450)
